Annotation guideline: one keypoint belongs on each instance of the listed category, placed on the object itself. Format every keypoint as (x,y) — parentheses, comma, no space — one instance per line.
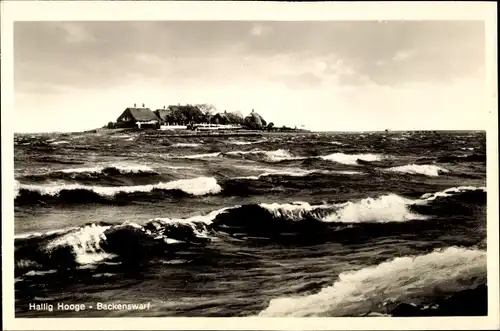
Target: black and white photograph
(250,168)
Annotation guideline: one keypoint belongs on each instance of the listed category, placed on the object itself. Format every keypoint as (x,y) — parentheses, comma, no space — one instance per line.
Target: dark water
(310,224)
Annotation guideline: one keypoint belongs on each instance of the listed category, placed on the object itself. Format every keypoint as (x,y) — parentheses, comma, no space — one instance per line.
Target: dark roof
(234,117)
(142,114)
(221,115)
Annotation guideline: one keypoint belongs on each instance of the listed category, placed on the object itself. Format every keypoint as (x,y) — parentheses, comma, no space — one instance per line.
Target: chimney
(163,107)
(225,111)
(253,110)
(143,106)
(134,105)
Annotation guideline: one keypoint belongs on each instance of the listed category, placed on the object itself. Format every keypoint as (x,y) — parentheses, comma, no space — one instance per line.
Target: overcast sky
(324,75)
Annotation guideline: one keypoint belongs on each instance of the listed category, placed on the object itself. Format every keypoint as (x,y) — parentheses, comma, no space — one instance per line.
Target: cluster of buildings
(185,116)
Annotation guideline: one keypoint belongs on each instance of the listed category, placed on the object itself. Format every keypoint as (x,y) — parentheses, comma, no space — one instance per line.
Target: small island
(200,117)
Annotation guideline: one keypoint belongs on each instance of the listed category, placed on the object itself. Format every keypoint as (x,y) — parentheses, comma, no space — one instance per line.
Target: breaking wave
(84,243)
(60,142)
(410,278)
(280,155)
(237,142)
(351,159)
(269,156)
(428,197)
(127,242)
(387,208)
(421,169)
(97,173)
(285,155)
(28,193)
(298,173)
(123,169)
(199,156)
(279,222)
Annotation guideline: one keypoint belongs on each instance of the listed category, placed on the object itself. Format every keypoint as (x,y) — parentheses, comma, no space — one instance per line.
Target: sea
(302,224)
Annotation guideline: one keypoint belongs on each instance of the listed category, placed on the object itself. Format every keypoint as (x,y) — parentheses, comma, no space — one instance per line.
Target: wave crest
(359,292)
(186,145)
(270,156)
(121,168)
(351,159)
(428,197)
(128,241)
(387,208)
(420,169)
(84,244)
(28,193)
(289,222)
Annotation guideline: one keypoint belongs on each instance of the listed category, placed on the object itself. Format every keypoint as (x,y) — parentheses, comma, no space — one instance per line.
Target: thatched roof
(255,121)
(220,118)
(235,118)
(139,114)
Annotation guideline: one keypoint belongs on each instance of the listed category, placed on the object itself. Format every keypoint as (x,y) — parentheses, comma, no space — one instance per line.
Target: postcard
(249,165)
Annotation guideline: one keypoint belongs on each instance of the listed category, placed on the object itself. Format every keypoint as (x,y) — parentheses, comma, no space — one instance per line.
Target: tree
(207,108)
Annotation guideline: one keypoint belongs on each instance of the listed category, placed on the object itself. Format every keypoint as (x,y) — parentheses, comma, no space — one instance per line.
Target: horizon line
(308,131)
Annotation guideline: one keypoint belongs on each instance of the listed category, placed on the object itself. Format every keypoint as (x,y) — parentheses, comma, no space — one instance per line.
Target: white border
(15,10)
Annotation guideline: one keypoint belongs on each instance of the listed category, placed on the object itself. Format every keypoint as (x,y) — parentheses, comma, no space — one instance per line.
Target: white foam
(194,186)
(358,292)
(200,232)
(236,142)
(232,142)
(298,173)
(427,197)
(186,145)
(386,208)
(123,168)
(85,243)
(271,156)
(205,219)
(350,159)
(178,167)
(43,234)
(60,142)
(293,211)
(131,168)
(39,272)
(383,209)
(105,274)
(422,169)
(200,156)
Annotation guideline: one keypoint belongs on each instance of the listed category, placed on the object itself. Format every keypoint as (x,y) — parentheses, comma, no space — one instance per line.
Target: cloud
(76,33)
(301,81)
(403,55)
(354,72)
(260,29)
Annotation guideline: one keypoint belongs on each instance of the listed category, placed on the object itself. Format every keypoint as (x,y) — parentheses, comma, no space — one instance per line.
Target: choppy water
(309,224)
